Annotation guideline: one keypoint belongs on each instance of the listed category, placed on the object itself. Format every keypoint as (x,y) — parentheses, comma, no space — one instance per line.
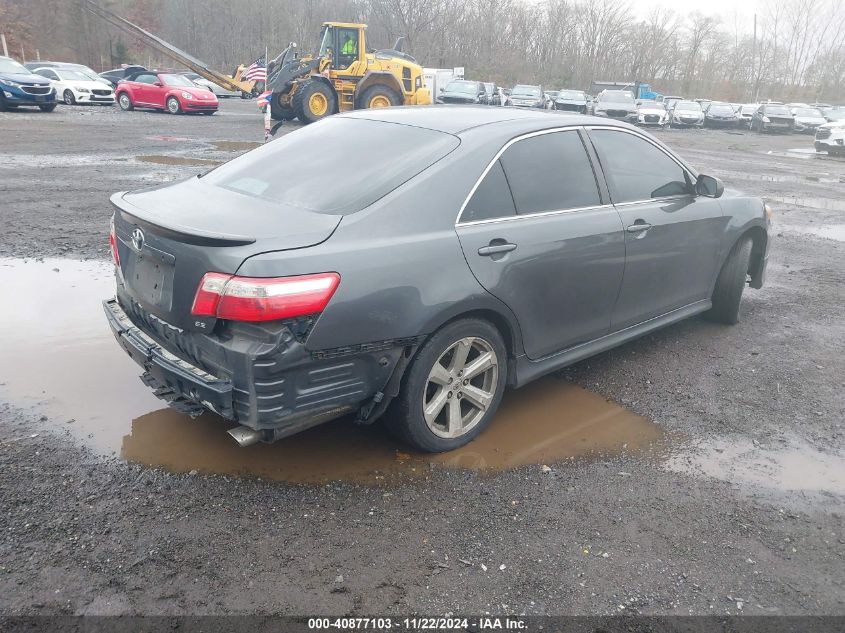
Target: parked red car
(164,91)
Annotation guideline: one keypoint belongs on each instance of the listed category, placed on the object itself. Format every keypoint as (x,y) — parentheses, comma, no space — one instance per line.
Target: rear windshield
(336,166)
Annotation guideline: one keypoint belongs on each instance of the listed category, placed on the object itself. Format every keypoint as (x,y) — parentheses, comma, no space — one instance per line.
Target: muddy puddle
(64,364)
(235,146)
(178,160)
(797,467)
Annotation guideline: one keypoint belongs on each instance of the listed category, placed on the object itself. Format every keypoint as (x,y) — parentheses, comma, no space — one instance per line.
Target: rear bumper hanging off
(183,386)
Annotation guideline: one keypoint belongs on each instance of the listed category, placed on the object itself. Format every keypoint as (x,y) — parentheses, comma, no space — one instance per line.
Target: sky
(728,9)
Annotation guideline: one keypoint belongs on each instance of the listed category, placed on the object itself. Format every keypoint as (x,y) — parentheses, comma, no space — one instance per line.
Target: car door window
(492,198)
(145,79)
(637,170)
(550,172)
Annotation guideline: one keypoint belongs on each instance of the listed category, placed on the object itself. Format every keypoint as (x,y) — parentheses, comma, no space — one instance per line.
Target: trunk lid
(169,236)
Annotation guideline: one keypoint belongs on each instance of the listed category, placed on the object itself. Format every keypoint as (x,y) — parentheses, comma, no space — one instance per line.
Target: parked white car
(75,86)
(830,138)
(651,113)
(219,91)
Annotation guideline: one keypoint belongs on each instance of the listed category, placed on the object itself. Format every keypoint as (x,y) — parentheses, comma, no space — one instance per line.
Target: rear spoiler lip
(183,233)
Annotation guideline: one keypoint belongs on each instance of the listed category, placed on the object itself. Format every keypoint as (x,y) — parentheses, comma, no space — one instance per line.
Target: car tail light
(263,298)
(113,244)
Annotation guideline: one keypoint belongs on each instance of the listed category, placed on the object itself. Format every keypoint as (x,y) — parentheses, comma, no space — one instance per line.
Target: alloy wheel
(460,387)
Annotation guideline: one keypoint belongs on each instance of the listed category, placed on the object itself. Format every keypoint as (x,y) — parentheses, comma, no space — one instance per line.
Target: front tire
(313,101)
(280,111)
(125,102)
(452,388)
(68,97)
(172,105)
(47,108)
(727,294)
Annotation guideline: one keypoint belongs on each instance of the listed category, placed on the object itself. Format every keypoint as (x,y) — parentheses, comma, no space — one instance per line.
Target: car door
(143,90)
(539,234)
(672,235)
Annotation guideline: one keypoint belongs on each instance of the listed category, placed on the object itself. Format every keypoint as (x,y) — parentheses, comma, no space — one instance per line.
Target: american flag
(256,71)
(264,98)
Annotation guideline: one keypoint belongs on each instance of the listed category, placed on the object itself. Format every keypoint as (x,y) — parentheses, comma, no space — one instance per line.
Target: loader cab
(344,44)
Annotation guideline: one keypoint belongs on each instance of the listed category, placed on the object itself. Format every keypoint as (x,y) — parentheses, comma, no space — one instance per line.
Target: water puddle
(64,363)
(169,138)
(178,160)
(235,146)
(830,232)
(830,204)
(796,468)
(820,178)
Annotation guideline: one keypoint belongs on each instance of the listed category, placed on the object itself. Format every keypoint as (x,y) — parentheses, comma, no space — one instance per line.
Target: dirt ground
(737,507)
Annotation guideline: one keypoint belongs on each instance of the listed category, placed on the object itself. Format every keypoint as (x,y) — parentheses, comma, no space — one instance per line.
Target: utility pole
(5,48)
(754,87)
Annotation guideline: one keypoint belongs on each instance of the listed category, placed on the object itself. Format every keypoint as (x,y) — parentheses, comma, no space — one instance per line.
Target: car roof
(454,119)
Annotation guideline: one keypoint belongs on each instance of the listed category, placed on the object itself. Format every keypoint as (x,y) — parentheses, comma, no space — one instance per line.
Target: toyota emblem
(138,239)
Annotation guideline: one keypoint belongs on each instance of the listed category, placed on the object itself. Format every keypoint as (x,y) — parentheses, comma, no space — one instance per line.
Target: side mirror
(709,186)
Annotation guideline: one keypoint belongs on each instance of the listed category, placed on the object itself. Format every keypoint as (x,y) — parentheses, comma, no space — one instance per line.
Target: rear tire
(379,96)
(125,102)
(438,377)
(172,105)
(730,283)
(313,101)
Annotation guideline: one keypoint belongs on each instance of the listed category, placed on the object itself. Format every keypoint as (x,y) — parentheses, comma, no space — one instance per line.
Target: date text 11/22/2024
(417,624)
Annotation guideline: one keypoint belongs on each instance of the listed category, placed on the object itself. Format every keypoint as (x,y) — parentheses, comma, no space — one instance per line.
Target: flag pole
(268,109)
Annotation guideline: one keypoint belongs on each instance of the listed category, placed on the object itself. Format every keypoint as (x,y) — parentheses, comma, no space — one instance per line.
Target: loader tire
(379,96)
(280,111)
(313,101)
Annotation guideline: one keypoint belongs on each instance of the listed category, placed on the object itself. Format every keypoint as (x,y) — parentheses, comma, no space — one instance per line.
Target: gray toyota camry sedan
(412,263)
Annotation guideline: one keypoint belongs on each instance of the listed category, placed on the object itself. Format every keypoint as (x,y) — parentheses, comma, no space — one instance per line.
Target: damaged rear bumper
(182,385)
(277,388)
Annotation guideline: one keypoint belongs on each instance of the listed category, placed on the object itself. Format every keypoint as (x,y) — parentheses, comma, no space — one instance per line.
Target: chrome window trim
(568,128)
(516,139)
(511,218)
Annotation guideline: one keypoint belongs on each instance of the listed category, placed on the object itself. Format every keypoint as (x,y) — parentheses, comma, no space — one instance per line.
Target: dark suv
(465,250)
(21,87)
(772,117)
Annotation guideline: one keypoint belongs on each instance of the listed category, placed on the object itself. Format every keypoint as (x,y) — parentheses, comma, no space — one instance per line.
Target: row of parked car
(44,84)
(670,111)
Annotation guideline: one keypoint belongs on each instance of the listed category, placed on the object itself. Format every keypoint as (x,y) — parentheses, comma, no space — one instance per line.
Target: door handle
(638,227)
(496,249)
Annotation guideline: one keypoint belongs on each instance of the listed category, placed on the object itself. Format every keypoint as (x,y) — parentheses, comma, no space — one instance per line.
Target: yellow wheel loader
(343,76)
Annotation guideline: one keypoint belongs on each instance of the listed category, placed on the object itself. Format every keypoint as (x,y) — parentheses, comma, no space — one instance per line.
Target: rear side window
(336,166)
(492,199)
(636,169)
(550,172)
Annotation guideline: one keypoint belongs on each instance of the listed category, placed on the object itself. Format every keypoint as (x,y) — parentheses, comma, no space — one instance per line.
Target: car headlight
(78,89)
(187,95)
(13,84)
(766,119)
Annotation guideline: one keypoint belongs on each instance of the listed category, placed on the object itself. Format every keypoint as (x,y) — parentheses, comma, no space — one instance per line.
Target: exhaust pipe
(245,436)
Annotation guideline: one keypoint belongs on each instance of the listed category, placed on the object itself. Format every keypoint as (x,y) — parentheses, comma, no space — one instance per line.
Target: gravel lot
(739,510)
